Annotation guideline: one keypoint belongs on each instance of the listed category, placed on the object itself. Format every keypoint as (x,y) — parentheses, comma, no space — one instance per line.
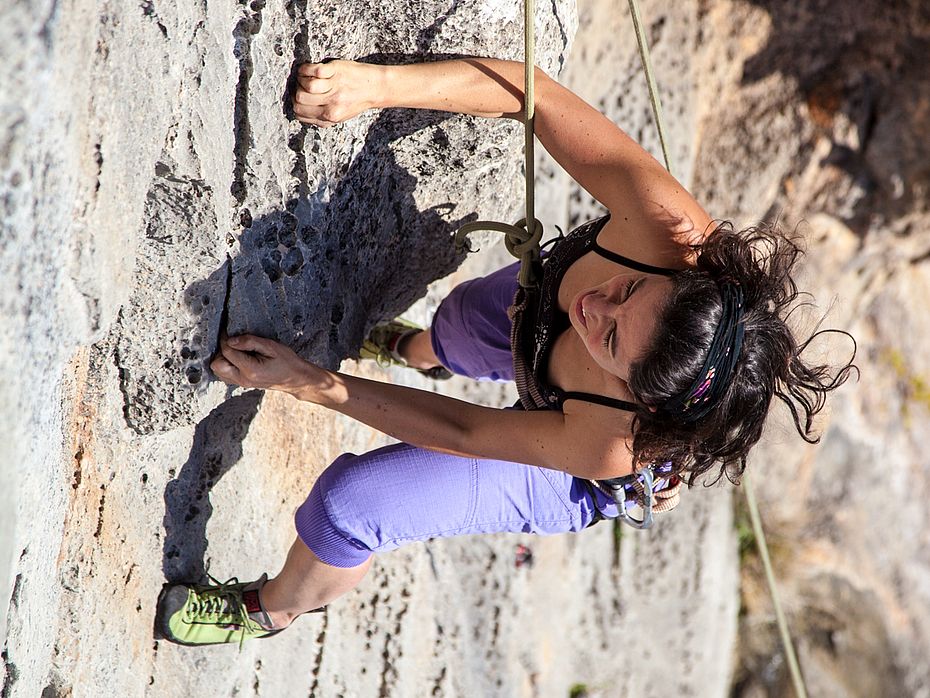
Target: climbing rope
(796,678)
(520,241)
(646,62)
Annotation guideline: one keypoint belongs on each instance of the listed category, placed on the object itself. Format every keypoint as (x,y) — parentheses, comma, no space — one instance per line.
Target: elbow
(460,438)
(542,85)
(540,75)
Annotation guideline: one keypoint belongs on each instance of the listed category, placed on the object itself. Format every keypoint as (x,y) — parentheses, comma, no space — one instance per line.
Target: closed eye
(609,339)
(609,344)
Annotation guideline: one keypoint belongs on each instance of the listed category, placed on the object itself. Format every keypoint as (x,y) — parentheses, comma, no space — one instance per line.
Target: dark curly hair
(761,260)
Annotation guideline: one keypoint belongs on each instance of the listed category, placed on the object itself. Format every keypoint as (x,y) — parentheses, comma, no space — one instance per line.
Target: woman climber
(649,356)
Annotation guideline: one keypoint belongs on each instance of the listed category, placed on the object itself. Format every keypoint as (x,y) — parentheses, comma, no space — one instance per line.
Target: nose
(600,304)
(615,288)
(607,297)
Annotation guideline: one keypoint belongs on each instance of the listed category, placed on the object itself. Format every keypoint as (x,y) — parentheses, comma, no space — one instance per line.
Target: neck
(572,368)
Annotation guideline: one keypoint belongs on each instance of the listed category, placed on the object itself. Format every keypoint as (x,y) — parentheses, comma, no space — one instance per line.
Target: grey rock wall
(290,234)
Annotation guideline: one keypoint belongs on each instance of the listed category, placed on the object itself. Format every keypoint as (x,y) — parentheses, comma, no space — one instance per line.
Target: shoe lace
(224,599)
(384,358)
(382,339)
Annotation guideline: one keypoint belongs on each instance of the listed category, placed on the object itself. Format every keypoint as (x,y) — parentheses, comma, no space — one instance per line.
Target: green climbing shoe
(383,340)
(212,614)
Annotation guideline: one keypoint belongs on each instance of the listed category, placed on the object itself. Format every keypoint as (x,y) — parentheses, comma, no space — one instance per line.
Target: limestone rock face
(830,124)
(152,186)
(285,228)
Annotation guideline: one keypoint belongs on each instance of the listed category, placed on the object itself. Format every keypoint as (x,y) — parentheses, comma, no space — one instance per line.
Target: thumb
(225,370)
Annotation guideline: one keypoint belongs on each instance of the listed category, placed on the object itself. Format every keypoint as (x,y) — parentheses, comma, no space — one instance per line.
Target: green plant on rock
(578,690)
(915,387)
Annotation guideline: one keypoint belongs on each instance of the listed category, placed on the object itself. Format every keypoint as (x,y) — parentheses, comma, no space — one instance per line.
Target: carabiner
(646,521)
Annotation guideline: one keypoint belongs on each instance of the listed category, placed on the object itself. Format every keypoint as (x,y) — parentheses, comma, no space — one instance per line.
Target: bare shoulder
(658,223)
(602,437)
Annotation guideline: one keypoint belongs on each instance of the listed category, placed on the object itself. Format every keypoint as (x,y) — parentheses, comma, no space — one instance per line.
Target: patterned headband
(712,380)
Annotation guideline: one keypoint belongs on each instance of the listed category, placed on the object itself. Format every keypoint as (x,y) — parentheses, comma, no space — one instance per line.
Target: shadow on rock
(315,277)
(355,250)
(351,247)
(217,447)
(861,70)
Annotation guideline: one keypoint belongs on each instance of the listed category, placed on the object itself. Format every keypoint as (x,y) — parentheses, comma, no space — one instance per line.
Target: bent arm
(654,217)
(590,147)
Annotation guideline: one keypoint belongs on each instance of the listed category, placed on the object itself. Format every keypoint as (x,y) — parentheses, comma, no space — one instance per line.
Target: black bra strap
(631,263)
(600,400)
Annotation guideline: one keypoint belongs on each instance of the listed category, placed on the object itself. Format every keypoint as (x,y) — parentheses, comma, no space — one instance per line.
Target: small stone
(292,262)
(288,238)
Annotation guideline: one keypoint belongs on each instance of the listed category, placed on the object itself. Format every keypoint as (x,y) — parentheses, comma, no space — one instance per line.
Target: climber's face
(617,320)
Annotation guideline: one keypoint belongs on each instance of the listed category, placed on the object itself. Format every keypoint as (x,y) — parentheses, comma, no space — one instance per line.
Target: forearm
(414,416)
(440,423)
(447,425)
(478,86)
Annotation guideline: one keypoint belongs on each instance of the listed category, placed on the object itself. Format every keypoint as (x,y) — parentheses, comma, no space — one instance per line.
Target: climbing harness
(640,491)
(642,485)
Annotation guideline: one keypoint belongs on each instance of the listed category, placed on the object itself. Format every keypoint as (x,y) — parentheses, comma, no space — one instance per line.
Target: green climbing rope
(793,667)
(521,241)
(529,106)
(796,677)
(646,62)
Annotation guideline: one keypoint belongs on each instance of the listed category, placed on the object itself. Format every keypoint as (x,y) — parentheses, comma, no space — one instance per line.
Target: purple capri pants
(383,499)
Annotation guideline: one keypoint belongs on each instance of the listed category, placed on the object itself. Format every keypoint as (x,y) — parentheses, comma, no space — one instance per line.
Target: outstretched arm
(653,214)
(568,442)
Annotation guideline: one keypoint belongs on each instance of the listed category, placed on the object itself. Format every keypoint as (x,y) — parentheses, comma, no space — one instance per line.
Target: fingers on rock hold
(314,86)
(316,70)
(312,116)
(253,343)
(303,98)
(315,122)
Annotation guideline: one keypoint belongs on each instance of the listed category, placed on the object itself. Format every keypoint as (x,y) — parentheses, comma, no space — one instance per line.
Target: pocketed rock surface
(151,182)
